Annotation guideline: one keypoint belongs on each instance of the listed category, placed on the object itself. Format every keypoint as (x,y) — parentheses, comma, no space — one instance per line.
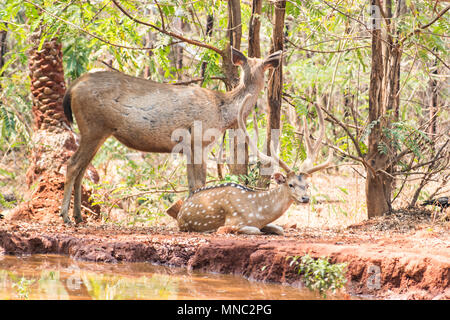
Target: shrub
(319,274)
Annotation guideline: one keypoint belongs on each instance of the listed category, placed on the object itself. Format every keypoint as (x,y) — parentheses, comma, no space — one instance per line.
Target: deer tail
(67,105)
(175,208)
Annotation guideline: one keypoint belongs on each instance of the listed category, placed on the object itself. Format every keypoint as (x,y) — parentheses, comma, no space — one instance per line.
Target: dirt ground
(385,259)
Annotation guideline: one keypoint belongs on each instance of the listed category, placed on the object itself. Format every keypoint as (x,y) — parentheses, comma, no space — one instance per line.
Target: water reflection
(60,277)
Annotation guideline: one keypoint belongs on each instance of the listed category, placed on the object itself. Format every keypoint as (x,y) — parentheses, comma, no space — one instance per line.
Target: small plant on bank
(22,286)
(319,274)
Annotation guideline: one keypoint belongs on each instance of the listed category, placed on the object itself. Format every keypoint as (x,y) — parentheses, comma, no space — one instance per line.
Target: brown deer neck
(273,203)
(233,101)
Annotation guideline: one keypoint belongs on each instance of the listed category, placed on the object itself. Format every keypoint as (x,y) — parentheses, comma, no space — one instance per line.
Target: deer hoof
(66,220)
(249,230)
(273,229)
(78,219)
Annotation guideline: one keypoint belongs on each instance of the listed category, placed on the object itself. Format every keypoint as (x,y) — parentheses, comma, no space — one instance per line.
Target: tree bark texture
(47,84)
(384,105)
(275,85)
(235,35)
(254,43)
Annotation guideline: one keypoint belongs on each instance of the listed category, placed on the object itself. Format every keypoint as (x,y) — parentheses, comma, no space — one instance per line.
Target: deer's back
(141,113)
(210,208)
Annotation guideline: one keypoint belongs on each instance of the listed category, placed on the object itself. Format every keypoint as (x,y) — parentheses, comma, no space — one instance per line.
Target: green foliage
(22,285)
(5,203)
(319,274)
(8,122)
(15,115)
(76,57)
(250,179)
(402,135)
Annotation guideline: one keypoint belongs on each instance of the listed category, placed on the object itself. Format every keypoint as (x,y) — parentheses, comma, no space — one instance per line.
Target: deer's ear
(279,178)
(238,57)
(273,60)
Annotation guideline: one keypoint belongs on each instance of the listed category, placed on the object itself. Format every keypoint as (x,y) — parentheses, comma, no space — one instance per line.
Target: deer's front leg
(273,229)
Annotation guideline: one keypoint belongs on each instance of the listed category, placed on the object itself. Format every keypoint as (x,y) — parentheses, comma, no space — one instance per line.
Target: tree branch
(422,27)
(85,31)
(331,51)
(169,33)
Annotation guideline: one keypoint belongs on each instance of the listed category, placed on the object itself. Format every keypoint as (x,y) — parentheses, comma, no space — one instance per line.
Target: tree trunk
(384,105)
(177,51)
(3,34)
(377,204)
(47,85)
(3,49)
(275,85)
(209,28)
(240,162)
(234,34)
(433,96)
(53,141)
(254,43)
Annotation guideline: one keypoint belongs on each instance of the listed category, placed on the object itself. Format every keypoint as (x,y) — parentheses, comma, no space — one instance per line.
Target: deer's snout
(305,199)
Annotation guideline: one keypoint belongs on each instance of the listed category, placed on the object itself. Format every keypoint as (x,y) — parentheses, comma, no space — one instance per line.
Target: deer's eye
(291,185)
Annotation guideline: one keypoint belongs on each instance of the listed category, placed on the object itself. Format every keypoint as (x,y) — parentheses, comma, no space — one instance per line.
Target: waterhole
(60,277)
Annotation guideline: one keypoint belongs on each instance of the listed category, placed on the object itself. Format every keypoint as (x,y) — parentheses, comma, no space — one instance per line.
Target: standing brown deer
(143,114)
(245,210)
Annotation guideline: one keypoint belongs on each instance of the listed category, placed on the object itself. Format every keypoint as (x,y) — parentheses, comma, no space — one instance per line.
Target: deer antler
(312,149)
(271,159)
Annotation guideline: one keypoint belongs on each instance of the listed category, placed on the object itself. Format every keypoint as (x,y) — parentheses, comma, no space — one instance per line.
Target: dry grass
(336,202)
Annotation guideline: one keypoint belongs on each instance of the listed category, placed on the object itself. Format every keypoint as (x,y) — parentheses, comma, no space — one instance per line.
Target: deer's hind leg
(75,171)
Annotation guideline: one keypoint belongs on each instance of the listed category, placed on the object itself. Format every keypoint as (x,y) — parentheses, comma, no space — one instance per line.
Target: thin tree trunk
(3,49)
(209,28)
(384,105)
(177,51)
(275,85)
(433,96)
(239,164)
(3,34)
(254,43)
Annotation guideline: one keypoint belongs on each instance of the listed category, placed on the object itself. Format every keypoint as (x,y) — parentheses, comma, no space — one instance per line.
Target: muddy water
(60,277)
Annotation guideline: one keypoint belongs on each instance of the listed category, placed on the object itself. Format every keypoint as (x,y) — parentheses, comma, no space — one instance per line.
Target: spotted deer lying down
(245,210)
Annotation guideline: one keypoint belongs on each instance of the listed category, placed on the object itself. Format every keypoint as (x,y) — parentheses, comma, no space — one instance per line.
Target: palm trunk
(53,141)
